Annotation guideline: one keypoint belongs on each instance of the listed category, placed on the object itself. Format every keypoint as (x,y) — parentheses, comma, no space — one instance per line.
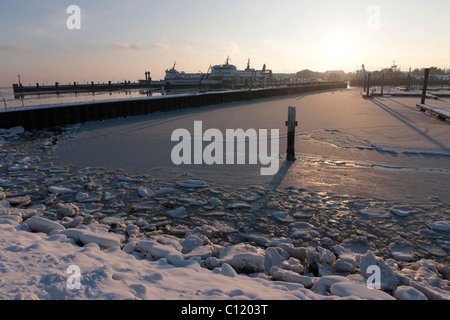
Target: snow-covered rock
(323,284)
(226,270)
(293,264)
(440,226)
(155,250)
(59,190)
(432,293)
(250,196)
(143,192)
(41,224)
(243,258)
(304,214)
(11,220)
(67,209)
(180,213)
(192,184)
(290,276)
(403,211)
(6,210)
(239,205)
(85,235)
(81,196)
(434,198)
(272,257)
(303,230)
(190,243)
(345,264)
(402,250)
(20,202)
(164,191)
(247,262)
(408,293)
(215,202)
(132,230)
(375,213)
(282,216)
(349,289)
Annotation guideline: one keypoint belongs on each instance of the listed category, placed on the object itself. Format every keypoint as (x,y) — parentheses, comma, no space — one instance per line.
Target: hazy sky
(123,39)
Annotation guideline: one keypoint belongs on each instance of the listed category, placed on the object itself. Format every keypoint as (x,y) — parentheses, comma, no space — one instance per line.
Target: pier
(41,117)
(440,113)
(20,89)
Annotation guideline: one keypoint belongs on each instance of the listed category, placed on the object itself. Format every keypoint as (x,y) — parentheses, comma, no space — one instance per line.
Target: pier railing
(41,117)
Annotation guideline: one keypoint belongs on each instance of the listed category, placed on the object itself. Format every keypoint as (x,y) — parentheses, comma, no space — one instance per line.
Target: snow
(180,213)
(302,230)
(445,112)
(440,226)
(403,211)
(282,217)
(409,293)
(402,250)
(86,235)
(347,289)
(40,224)
(143,192)
(60,190)
(113,274)
(178,235)
(375,213)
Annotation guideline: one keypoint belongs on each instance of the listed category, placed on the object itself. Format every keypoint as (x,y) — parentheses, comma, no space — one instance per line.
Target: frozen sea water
(378,148)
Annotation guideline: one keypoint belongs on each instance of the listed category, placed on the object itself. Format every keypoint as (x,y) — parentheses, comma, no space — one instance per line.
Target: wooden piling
(291,123)
(425,85)
(368,86)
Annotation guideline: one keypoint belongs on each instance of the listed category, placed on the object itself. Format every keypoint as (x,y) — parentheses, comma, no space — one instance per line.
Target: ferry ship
(249,77)
(226,75)
(180,78)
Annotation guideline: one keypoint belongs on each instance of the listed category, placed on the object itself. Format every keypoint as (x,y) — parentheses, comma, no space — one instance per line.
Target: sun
(339,51)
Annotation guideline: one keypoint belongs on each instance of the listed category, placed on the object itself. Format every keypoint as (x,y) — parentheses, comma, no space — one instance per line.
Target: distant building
(335,75)
(443,77)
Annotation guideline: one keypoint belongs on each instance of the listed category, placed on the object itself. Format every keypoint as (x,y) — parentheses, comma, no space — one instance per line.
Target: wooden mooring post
(365,82)
(368,86)
(291,124)
(425,85)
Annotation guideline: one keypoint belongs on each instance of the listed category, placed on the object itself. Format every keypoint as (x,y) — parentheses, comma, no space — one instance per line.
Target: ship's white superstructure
(175,77)
(226,74)
(241,78)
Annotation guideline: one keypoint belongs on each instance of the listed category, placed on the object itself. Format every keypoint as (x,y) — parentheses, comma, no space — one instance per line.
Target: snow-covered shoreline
(137,237)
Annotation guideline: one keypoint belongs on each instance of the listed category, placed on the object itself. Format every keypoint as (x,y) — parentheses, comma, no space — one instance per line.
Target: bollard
(365,81)
(368,86)
(291,124)
(425,85)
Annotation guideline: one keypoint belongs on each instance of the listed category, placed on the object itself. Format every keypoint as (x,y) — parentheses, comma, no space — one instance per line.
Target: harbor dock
(47,116)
